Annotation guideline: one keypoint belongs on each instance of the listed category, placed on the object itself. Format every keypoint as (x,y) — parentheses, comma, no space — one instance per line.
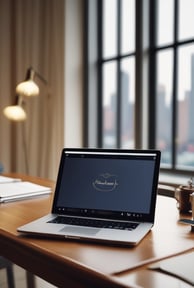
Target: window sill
(173,179)
(168,183)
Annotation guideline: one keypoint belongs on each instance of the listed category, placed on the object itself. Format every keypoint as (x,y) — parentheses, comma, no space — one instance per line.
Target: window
(174,90)
(133,39)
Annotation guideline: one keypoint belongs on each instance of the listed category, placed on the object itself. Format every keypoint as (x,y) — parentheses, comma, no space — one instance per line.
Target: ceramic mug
(182,195)
(192,204)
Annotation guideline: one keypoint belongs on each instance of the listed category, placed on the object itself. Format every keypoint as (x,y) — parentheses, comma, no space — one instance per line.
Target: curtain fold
(32,33)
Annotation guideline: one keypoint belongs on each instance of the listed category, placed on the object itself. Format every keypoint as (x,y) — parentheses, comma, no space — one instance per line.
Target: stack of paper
(14,189)
(5,179)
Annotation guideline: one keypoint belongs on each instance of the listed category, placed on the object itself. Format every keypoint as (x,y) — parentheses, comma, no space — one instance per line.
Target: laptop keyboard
(94,223)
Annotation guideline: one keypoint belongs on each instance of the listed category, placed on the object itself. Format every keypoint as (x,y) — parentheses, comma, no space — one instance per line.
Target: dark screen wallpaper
(107,184)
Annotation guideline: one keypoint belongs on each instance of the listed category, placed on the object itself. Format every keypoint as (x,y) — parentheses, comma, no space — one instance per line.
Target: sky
(165,28)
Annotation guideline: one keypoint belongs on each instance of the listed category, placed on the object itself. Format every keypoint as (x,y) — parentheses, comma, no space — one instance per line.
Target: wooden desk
(73,264)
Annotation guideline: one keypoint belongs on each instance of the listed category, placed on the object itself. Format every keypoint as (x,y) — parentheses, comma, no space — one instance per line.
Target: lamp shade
(27,88)
(15,113)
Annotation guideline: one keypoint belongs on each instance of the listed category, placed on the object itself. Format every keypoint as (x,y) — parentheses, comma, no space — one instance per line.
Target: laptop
(102,195)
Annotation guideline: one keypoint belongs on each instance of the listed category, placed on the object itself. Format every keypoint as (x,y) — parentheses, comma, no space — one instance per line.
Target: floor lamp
(16,112)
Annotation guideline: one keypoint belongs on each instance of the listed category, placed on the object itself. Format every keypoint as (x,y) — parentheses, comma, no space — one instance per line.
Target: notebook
(102,195)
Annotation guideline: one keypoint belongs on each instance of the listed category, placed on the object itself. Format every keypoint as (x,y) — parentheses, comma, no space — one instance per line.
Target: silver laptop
(102,195)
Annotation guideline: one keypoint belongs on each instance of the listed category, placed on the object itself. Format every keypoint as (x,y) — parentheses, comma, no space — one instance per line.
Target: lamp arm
(31,73)
(19,100)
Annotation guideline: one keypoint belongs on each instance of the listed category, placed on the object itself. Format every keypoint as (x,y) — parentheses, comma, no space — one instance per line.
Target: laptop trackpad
(80,230)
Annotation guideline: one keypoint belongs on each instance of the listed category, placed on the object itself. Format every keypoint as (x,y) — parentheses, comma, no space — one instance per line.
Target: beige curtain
(32,34)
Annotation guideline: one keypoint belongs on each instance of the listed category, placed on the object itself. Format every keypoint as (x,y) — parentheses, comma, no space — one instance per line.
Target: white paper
(180,266)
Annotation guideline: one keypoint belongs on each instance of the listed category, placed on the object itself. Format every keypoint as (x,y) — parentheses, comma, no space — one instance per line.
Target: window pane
(109,28)
(127,102)
(185,142)
(186,25)
(128,26)
(164,105)
(109,105)
(165,21)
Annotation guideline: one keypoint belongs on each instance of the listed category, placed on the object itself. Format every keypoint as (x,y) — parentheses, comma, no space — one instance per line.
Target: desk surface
(100,265)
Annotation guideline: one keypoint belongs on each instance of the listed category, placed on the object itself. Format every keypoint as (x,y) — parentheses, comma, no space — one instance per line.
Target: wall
(66,105)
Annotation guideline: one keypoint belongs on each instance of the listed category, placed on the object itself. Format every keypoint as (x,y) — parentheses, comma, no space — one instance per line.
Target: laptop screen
(116,184)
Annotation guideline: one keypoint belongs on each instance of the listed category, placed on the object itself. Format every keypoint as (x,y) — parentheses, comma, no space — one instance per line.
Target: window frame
(101,61)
